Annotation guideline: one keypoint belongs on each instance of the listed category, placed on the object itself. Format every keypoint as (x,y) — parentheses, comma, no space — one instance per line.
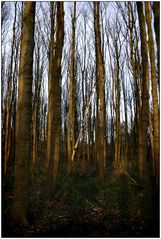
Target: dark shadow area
(83,206)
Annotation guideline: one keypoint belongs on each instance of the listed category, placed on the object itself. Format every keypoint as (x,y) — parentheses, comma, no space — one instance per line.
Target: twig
(132,179)
(84,120)
(61,190)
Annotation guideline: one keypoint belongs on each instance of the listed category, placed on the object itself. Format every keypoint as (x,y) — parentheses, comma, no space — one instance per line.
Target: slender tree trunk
(135,72)
(55,104)
(9,98)
(152,142)
(112,106)
(156,11)
(83,110)
(72,91)
(84,81)
(24,117)
(101,79)
(144,117)
(126,122)
(35,115)
(154,92)
(14,94)
(89,135)
(50,92)
(118,133)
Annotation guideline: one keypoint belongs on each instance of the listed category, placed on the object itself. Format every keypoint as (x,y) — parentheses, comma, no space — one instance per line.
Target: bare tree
(24,117)
(54,124)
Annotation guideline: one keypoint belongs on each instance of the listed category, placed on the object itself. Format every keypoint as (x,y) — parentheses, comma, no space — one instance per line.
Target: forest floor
(83,206)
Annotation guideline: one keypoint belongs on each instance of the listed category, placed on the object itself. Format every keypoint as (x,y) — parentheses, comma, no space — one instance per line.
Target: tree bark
(101,88)
(154,92)
(24,117)
(144,117)
(55,104)
(51,60)
(72,91)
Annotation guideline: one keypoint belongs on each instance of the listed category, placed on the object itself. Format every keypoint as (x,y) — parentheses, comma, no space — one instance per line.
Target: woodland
(80,121)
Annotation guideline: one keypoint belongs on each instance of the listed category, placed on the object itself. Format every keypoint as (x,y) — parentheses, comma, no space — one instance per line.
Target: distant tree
(5,20)
(72,91)
(36,103)
(156,11)
(8,104)
(117,51)
(50,80)
(135,69)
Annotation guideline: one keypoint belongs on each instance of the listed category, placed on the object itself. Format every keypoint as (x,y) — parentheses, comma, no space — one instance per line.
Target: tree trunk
(50,92)
(154,92)
(135,73)
(24,117)
(101,81)
(9,97)
(152,142)
(55,104)
(156,11)
(126,121)
(118,130)
(72,91)
(144,117)
(35,115)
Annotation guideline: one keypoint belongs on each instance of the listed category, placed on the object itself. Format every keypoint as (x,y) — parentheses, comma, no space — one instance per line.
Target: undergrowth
(85,206)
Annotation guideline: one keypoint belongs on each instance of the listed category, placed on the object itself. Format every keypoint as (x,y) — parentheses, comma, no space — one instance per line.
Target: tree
(24,117)
(72,91)
(50,80)
(5,20)
(135,69)
(9,98)
(154,92)
(144,116)
(117,108)
(36,102)
(126,120)
(156,11)
(100,78)
(54,124)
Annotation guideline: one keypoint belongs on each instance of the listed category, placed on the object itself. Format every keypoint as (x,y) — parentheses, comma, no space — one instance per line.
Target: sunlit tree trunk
(55,103)
(24,116)
(72,91)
